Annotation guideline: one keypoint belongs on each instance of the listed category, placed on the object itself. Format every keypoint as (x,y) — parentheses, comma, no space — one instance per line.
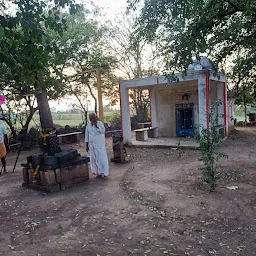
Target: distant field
(64,118)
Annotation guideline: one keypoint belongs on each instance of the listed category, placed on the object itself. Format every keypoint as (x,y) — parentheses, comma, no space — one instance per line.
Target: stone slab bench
(113,132)
(145,133)
(141,134)
(144,125)
(77,134)
(15,146)
(153,132)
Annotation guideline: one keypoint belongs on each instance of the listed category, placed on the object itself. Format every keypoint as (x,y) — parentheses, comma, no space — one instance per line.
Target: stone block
(153,132)
(69,176)
(141,134)
(25,175)
(30,176)
(47,178)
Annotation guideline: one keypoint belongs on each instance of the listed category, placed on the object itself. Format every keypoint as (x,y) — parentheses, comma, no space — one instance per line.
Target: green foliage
(114,118)
(208,140)
(216,27)
(26,49)
(136,59)
(222,30)
(83,49)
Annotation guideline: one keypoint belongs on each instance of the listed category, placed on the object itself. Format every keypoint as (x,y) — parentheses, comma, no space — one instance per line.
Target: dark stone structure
(56,168)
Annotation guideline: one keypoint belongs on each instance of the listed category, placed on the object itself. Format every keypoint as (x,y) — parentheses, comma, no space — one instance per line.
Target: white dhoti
(95,137)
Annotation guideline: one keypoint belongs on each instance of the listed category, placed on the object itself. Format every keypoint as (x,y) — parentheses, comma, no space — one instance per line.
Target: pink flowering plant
(26,49)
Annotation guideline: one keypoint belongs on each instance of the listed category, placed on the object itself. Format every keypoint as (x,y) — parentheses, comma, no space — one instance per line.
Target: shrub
(208,140)
(114,118)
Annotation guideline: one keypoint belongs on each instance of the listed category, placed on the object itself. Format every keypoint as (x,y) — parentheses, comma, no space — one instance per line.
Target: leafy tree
(27,51)
(220,29)
(81,95)
(17,102)
(243,78)
(216,27)
(136,59)
(84,50)
(208,140)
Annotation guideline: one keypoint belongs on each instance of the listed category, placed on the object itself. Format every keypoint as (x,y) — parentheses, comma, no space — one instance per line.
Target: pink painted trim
(225,109)
(121,119)
(207,95)
(150,108)
(229,114)
(232,111)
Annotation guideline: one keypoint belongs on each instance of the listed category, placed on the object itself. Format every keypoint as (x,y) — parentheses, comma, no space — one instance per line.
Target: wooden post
(101,113)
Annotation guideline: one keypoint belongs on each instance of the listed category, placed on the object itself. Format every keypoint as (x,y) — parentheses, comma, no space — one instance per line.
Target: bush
(208,140)
(115,118)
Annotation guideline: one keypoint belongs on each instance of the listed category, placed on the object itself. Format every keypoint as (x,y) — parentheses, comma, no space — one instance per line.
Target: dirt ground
(154,205)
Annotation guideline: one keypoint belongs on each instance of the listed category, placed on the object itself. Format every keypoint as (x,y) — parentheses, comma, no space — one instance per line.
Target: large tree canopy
(223,30)
(84,48)
(26,50)
(188,28)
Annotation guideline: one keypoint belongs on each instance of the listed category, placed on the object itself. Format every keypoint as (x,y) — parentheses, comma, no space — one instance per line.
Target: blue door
(185,120)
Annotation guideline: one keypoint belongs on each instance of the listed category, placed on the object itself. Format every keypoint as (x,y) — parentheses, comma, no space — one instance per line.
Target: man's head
(93,117)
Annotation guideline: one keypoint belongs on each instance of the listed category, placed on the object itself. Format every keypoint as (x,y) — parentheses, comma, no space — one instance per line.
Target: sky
(112,8)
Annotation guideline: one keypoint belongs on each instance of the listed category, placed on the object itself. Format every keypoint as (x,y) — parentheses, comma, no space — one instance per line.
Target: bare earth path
(154,205)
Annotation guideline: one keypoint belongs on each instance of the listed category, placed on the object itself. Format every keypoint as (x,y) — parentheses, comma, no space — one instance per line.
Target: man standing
(95,143)
(3,142)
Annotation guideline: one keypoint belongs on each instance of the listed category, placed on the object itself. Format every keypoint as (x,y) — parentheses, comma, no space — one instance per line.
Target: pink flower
(2,97)
(44,29)
(91,193)
(19,65)
(40,91)
(37,45)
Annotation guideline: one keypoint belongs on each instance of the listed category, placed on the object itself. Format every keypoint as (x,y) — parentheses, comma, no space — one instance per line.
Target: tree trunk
(29,118)
(84,110)
(44,111)
(94,97)
(96,106)
(9,123)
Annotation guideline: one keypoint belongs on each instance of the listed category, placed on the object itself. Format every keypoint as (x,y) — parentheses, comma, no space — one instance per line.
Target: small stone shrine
(56,168)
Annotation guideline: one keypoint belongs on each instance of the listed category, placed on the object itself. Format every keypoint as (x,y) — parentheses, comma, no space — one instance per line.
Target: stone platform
(165,142)
(58,179)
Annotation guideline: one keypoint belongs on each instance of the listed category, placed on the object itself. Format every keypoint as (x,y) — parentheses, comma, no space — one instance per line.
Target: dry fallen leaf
(231,187)
(11,247)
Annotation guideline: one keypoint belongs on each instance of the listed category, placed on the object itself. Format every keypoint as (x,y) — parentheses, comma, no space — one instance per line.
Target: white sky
(112,8)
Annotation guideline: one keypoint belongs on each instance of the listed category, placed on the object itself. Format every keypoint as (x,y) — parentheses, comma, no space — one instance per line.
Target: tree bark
(44,111)
(85,112)
(9,123)
(29,118)
(94,97)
